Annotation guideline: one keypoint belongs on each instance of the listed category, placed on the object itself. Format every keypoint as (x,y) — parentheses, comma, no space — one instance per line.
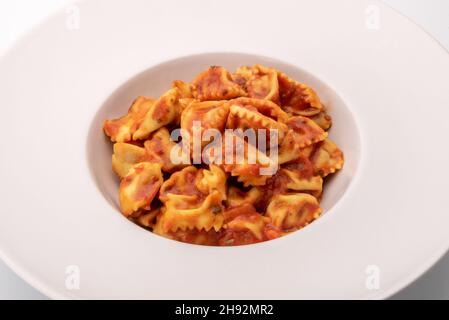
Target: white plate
(386,211)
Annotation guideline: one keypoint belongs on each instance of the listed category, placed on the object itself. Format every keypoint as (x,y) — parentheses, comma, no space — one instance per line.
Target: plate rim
(398,285)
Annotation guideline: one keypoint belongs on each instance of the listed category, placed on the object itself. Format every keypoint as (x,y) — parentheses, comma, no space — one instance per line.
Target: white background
(19,16)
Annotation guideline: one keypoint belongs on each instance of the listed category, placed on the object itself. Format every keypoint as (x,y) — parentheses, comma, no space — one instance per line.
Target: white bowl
(385,82)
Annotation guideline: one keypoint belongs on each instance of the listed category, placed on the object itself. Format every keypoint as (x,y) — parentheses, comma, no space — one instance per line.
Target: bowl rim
(397,286)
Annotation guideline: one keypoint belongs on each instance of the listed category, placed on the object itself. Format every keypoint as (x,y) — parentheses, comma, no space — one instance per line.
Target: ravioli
(122,129)
(244,225)
(185,89)
(139,187)
(125,156)
(164,111)
(193,198)
(323,119)
(248,162)
(298,98)
(327,158)
(147,218)
(158,150)
(238,196)
(296,176)
(291,212)
(245,118)
(216,84)
(245,161)
(302,132)
(202,116)
(260,82)
(264,107)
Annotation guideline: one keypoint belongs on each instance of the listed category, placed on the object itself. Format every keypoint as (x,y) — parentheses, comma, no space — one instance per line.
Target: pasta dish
(227,159)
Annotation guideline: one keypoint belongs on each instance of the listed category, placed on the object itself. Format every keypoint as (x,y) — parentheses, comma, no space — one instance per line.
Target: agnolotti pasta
(249,174)
(257,173)
(139,187)
(123,129)
(244,225)
(125,156)
(247,116)
(202,116)
(216,84)
(162,112)
(326,157)
(323,119)
(158,149)
(302,132)
(260,82)
(193,199)
(298,98)
(239,196)
(290,212)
